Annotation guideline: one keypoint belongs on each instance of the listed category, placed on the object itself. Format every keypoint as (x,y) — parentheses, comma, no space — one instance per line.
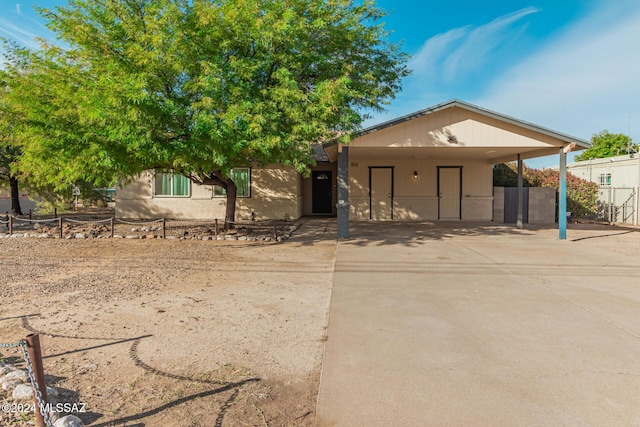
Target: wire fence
(162,228)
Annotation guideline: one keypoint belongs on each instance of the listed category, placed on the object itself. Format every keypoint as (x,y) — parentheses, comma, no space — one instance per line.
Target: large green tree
(607,144)
(9,151)
(200,86)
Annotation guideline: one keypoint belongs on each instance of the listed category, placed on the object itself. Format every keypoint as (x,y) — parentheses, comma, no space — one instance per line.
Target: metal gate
(511,205)
(618,205)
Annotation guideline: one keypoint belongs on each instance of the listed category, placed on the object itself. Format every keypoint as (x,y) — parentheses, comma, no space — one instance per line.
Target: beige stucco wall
(276,192)
(469,128)
(417,199)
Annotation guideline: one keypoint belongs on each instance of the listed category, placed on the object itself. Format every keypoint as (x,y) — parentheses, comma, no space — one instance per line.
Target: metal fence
(618,205)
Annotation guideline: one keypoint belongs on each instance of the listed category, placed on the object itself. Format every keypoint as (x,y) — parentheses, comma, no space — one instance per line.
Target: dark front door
(322,189)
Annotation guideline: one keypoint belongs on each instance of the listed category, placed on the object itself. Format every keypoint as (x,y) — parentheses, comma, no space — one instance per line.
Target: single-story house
(431,165)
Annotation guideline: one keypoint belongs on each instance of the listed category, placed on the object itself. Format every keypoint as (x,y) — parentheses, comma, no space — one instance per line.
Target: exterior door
(322,192)
(381,193)
(449,192)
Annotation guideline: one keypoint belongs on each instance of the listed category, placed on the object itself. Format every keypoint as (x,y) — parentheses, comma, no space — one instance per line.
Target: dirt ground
(173,333)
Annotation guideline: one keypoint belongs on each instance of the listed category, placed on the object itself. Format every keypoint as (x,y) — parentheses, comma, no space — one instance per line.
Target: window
(604,179)
(242,178)
(170,184)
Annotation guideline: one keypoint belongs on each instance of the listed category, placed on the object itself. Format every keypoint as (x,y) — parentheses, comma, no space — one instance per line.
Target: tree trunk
(230,215)
(15,197)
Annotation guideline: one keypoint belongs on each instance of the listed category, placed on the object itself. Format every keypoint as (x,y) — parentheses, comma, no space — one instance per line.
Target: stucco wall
(275,193)
(417,199)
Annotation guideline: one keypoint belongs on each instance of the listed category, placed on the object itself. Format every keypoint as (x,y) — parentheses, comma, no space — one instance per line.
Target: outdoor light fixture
(452,139)
(415,174)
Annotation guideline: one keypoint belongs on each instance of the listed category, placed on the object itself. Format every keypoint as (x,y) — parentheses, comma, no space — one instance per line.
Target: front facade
(435,164)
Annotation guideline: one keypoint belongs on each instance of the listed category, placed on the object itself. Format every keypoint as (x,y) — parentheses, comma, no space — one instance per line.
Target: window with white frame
(604,179)
(169,184)
(242,178)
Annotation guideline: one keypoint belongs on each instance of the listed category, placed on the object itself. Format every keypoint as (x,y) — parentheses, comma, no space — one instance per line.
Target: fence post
(113,226)
(30,214)
(55,212)
(10,225)
(275,230)
(215,232)
(164,228)
(33,347)
(60,226)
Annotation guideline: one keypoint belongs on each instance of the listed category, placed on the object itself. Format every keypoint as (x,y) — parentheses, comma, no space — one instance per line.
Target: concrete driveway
(480,325)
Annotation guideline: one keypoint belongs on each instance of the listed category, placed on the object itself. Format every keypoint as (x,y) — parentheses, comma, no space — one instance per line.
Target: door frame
(438,189)
(314,174)
(371,194)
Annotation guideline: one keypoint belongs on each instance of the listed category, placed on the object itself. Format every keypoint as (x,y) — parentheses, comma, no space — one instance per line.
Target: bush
(582,195)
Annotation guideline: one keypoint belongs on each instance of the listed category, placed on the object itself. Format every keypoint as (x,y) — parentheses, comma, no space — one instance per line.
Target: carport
(436,165)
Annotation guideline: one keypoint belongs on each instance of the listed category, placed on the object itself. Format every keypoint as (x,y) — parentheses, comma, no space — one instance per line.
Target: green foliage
(582,195)
(606,144)
(197,86)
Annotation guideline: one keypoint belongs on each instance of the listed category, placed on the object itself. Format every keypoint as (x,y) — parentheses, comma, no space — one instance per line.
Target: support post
(342,206)
(113,226)
(35,354)
(520,213)
(164,228)
(215,230)
(10,225)
(60,227)
(562,198)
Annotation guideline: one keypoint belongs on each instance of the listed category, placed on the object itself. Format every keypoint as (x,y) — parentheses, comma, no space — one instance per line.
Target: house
(432,165)
(619,181)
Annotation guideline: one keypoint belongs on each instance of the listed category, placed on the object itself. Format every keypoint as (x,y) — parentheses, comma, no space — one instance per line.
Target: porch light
(415,174)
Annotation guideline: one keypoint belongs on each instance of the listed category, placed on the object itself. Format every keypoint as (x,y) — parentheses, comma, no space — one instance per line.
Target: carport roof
(502,156)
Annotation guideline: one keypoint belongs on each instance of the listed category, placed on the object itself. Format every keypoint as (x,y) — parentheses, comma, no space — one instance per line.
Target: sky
(572,66)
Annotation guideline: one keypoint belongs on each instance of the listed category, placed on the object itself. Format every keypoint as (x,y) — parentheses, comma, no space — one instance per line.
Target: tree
(9,154)
(200,87)
(607,144)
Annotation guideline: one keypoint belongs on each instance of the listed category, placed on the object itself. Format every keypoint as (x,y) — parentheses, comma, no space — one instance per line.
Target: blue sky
(570,65)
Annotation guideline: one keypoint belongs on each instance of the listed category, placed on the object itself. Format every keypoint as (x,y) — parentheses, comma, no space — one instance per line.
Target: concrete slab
(483,325)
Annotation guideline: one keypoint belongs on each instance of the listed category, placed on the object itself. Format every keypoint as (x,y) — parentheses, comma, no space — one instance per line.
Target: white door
(449,192)
(381,194)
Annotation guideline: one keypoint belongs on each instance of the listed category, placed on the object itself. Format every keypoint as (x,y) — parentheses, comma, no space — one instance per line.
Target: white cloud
(582,82)
(18,9)
(21,35)
(461,50)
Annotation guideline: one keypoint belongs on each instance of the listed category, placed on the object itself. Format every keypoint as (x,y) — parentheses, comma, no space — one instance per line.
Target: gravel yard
(181,333)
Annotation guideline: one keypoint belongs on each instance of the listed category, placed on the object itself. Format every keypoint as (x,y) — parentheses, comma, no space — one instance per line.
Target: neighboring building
(619,179)
(435,164)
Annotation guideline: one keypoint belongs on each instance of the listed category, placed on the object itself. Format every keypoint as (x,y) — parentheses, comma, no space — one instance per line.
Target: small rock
(69,421)
(150,236)
(242,238)
(117,236)
(80,236)
(37,226)
(171,237)
(23,392)
(18,374)
(220,237)
(43,236)
(134,230)
(207,238)
(70,236)
(131,237)
(5,369)
(52,392)
(231,237)
(145,229)
(10,385)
